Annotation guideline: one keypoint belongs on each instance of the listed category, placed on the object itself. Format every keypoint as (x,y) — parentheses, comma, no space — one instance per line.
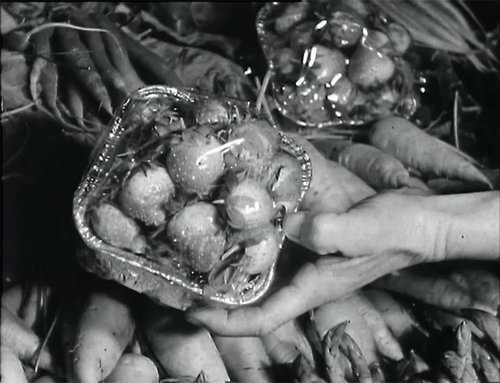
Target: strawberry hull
(154,125)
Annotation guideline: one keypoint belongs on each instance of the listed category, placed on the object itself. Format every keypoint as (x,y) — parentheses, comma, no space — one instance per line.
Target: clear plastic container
(184,197)
(336,63)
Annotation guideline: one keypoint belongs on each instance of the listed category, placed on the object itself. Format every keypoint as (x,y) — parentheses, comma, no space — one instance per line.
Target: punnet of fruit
(184,198)
(336,62)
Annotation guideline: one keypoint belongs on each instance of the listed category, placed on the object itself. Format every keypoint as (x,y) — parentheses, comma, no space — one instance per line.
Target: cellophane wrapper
(336,63)
(149,123)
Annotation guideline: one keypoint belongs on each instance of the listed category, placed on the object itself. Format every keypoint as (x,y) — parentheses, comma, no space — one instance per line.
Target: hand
(429,228)
(385,233)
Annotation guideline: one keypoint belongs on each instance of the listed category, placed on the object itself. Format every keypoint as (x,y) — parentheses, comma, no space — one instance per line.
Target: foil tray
(164,282)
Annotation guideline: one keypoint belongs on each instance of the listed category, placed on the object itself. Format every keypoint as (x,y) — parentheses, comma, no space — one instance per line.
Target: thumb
(322,233)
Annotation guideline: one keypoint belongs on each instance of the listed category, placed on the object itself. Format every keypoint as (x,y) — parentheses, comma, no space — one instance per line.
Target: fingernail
(292,225)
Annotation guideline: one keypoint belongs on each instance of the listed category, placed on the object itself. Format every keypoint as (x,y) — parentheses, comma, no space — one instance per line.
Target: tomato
(260,142)
(248,205)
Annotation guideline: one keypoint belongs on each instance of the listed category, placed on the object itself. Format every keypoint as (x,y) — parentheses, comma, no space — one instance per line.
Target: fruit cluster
(198,186)
(336,63)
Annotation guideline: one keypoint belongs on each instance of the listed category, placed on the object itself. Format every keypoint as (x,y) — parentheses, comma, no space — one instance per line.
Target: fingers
(321,233)
(313,285)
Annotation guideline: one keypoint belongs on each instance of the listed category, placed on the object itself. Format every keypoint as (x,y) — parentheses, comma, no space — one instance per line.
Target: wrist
(464,225)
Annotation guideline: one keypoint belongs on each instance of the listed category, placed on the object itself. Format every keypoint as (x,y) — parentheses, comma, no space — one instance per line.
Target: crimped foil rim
(99,168)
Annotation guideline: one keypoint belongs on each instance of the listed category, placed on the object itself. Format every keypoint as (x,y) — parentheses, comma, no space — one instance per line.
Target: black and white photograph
(250,192)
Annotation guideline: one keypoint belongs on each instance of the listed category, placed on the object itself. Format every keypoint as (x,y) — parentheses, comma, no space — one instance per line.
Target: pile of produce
(149,142)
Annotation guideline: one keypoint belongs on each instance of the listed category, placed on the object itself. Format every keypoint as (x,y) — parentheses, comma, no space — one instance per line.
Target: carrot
(45,379)
(11,368)
(24,301)
(8,22)
(41,52)
(331,352)
(487,323)
(99,55)
(285,343)
(44,76)
(153,63)
(118,55)
(181,348)
(484,286)
(104,329)
(80,63)
(132,368)
(75,103)
(396,316)
(377,169)
(22,340)
(67,337)
(333,188)
(331,314)
(245,358)
(431,289)
(386,343)
(417,149)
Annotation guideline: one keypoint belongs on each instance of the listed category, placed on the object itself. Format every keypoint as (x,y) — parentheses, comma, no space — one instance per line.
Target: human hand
(428,228)
(383,234)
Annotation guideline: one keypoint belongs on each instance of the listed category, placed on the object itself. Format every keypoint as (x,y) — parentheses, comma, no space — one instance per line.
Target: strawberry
(196,164)
(285,180)
(248,205)
(144,194)
(259,257)
(197,234)
(114,227)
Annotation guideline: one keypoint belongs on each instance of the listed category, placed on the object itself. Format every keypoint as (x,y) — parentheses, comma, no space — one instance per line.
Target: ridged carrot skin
(104,329)
(81,64)
(423,152)
(132,368)
(11,368)
(245,358)
(99,54)
(380,170)
(118,54)
(23,342)
(181,348)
